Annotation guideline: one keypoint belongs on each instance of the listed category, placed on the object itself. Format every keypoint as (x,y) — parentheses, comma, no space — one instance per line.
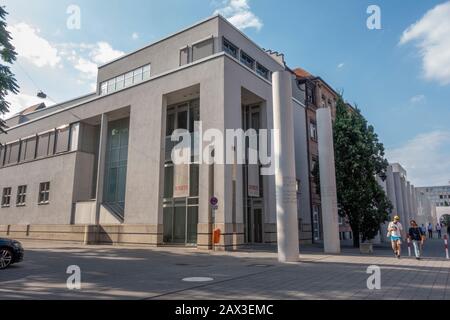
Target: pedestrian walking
(395,233)
(417,236)
(430,231)
(439,230)
(424,230)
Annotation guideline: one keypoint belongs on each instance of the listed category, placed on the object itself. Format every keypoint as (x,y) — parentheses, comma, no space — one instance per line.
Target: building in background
(439,196)
(408,202)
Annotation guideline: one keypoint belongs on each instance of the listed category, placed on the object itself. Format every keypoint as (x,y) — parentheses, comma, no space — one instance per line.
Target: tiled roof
(31,109)
(301,73)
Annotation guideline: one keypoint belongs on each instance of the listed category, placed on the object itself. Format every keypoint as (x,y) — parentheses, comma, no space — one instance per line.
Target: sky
(398,75)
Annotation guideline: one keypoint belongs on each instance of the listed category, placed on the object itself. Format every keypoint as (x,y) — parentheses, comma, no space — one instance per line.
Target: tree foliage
(359,160)
(8,83)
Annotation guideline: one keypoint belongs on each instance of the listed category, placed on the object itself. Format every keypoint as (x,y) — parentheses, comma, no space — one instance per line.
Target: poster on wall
(253,181)
(181,181)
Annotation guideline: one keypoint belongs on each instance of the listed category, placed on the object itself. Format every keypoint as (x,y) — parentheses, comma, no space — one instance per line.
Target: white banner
(253,181)
(181,181)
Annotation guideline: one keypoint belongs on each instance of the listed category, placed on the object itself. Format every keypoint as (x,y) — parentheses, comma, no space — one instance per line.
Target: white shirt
(398,229)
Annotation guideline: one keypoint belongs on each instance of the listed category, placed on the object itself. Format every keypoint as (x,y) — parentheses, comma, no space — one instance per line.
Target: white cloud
(31,46)
(135,36)
(426,158)
(341,65)
(87,67)
(239,14)
(22,101)
(103,52)
(418,99)
(432,36)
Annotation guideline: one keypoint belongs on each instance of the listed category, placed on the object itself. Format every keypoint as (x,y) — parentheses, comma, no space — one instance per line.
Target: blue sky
(402,86)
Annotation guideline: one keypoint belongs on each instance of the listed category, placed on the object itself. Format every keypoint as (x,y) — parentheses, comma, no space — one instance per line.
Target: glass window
(168,182)
(104,88)
(262,71)
(74,136)
(120,82)
(182,120)
(313,131)
(137,76)
(111,85)
(43,145)
(2,154)
(62,139)
(193,180)
(12,153)
(146,72)
(21,195)
(44,192)
(6,197)
(129,79)
(247,60)
(230,48)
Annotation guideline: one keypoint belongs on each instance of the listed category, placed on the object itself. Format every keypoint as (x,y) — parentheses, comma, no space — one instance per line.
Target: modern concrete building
(98,169)
(439,196)
(408,202)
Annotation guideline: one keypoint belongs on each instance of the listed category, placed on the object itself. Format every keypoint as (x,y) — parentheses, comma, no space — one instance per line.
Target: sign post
(214,203)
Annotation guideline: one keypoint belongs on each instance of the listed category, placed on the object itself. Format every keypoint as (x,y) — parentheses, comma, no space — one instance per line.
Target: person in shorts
(395,233)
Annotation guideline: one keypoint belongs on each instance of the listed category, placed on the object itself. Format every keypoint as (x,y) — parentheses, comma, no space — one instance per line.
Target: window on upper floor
(203,49)
(6,197)
(230,48)
(21,196)
(247,60)
(12,153)
(125,80)
(44,193)
(62,139)
(313,130)
(262,71)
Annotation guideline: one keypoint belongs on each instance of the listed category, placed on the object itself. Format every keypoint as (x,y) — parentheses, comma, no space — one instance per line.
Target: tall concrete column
(328,182)
(285,177)
(398,195)
(103,140)
(409,203)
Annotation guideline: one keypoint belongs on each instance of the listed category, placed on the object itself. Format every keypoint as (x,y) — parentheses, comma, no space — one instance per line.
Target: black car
(11,251)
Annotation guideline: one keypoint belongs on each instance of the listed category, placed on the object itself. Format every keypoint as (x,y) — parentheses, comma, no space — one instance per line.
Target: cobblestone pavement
(149,273)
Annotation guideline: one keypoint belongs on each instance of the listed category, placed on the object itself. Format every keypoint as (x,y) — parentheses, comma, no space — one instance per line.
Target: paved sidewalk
(157,273)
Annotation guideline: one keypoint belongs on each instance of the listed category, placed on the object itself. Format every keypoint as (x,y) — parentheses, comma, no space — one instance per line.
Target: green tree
(8,55)
(359,159)
(446,220)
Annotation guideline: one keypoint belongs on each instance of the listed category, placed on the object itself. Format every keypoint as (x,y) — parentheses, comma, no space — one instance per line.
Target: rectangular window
(2,154)
(62,139)
(21,195)
(137,76)
(230,48)
(247,60)
(262,71)
(202,49)
(12,153)
(6,197)
(129,79)
(74,136)
(313,130)
(184,56)
(146,72)
(111,85)
(44,193)
(120,82)
(28,150)
(43,145)
(103,88)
